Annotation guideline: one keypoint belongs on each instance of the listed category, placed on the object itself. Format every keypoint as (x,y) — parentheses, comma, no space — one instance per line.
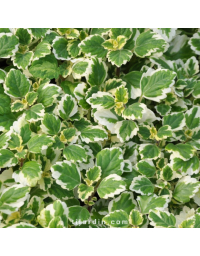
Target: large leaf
(110,161)
(29,175)
(66,174)
(92,46)
(8,45)
(186,189)
(155,84)
(16,84)
(13,198)
(149,43)
(46,67)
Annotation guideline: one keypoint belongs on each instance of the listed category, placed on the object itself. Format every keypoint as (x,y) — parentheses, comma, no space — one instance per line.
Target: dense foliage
(99,128)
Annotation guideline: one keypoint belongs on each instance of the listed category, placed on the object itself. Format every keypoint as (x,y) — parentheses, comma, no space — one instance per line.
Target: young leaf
(110,161)
(135,218)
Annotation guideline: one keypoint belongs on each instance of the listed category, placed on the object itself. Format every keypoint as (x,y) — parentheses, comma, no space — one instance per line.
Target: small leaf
(135,218)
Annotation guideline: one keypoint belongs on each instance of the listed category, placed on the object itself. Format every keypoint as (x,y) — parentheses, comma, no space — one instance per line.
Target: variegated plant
(99,128)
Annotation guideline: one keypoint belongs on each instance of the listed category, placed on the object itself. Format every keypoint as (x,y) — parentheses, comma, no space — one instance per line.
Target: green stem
(140,99)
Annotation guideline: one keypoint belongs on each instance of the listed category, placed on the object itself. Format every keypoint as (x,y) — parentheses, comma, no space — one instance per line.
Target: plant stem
(140,99)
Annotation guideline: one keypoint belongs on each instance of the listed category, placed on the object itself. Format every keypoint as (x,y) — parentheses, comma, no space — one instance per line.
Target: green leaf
(134,111)
(4,138)
(16,84)
(119,57)
(60,48)
(182,151)
(66,174)
(73,48)
(75,153)
(22,225)
(148,43)
(101,100)
(78,215)
(24,36)
(110,186)
(155,84)
(167,33)
(98,72)
(22,60)
(67,107)
(146,167)
(46,67)
(192,118)
(99,31)
(93,175)
(148,151)
(152,202)
(57,192)
(126,130)
(7,158)
(142,185)
(80,69)
(162,219)
(92,46)
(124,202)
(93,133)
(17,106)
(163,109)
(47,94)
(39,143)
(8,45)
(106,118)
(189,167)
(164,132)
(35,113)
(135,218)
(117,219)
(132,80)
(38,32)
(41,50)
(111,161)
(6,120)
(179,48)
(194,43)
(54,215)
(167,173)
(68,135)
(186,189)
(115,32)
(191,66)
(12,198)
(51,124)
(84,191)
(29,175)
(15,142)
(31,97)
(4,104)
(176,121)
(197,221)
